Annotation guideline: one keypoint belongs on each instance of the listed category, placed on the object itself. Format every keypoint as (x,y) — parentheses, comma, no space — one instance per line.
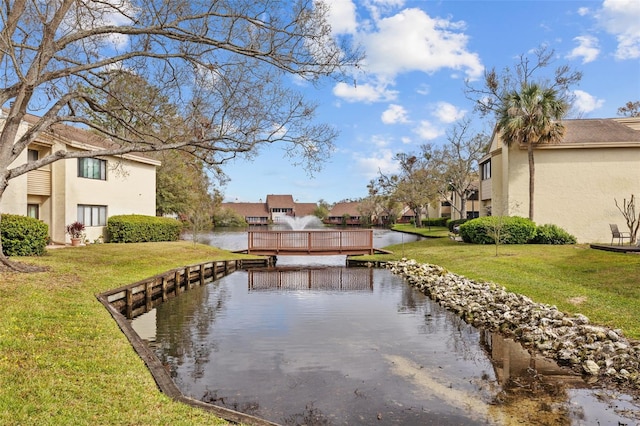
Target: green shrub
(226,217)
(439,221)
(511,230)
(453,222)
(552,234)
(141,229)
(23,236)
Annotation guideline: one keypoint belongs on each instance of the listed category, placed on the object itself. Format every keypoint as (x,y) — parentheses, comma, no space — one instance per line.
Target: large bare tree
(220,62)
(460,158)
(418,182)
(490,94)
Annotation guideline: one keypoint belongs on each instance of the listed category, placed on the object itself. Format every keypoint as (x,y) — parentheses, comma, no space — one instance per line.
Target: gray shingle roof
(598,131)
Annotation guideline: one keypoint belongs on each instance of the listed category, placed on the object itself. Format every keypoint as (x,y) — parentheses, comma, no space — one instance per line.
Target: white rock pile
(597,352)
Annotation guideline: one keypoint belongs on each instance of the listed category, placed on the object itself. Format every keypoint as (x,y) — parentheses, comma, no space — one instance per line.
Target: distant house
(576,181)
(472,205)
(280,206)
(407,215)
(274,210)
(253,213)
(88,190)
(277,207)
(346,213)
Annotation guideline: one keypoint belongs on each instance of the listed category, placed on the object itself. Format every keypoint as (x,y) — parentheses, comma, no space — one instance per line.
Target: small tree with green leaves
(226,217)
(322,210)
(200,220)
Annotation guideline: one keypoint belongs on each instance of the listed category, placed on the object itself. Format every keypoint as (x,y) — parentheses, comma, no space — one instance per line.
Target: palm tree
(531,117)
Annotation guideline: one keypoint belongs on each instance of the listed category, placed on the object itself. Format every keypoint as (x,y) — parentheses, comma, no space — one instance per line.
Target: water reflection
(333,279)
(316,354)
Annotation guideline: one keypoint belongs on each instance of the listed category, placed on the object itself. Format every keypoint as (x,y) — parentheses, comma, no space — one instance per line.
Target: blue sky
(411,90)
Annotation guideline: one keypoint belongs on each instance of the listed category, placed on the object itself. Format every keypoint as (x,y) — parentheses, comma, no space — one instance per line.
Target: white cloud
(428,131)
(622,19)
(587,49)
(423,89)
(413,41)
(378,7)
(370,165)
(583,11)
(363,92)
(342,17)
(448,113)
(394,114)
(94,14)
(585,102)
(380,141)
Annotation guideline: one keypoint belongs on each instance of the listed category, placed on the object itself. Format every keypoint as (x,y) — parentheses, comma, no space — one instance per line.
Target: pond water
(325,345)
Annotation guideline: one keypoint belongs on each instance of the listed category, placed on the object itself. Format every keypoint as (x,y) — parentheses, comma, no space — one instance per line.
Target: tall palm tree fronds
(531,117)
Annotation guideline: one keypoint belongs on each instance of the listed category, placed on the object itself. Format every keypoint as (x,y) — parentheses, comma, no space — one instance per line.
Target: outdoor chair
(620,235)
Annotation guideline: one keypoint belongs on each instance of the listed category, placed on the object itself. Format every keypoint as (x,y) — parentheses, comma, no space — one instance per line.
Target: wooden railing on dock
(311,242)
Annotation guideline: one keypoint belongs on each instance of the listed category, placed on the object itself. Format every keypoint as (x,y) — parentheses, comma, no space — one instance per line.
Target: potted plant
(75,231)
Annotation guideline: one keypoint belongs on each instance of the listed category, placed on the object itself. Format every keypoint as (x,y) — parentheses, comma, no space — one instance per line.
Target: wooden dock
(616,248)
(311,242)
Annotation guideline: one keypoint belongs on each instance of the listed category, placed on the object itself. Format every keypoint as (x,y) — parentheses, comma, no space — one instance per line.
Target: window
(92,168)
(92,215)
(33,155)
(486,170)
(33,210)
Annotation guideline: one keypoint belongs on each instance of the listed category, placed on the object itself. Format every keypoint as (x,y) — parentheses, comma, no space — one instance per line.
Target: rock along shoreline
(600,354)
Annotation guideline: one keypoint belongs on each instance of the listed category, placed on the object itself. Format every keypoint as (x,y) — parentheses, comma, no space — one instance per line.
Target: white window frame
(92,168)
(92,215)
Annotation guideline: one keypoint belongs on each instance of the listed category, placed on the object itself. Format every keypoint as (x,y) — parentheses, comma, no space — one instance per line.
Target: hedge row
(141,229)
(512,230)
(440,221)
(23,236)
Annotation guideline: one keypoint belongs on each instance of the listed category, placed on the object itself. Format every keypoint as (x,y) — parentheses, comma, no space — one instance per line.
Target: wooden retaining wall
(127,302)
(135,299)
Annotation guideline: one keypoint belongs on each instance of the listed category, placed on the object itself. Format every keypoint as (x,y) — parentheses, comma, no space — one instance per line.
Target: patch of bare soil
(577,301)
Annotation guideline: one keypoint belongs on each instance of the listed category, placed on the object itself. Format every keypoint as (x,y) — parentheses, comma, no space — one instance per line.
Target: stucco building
(88,190)
(274,210)
(577,180)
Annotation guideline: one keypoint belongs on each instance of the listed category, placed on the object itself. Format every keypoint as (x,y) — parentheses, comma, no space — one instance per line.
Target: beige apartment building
(577,180)
(88,190)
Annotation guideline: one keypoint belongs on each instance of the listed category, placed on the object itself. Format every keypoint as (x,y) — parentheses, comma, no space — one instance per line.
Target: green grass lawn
(64,361)
(604,286)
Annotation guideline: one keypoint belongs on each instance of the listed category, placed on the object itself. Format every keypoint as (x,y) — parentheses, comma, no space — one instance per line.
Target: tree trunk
(532,172)
(418,220)
(463,207)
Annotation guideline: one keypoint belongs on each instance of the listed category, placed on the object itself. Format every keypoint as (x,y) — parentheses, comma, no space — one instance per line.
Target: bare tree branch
(220,62)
